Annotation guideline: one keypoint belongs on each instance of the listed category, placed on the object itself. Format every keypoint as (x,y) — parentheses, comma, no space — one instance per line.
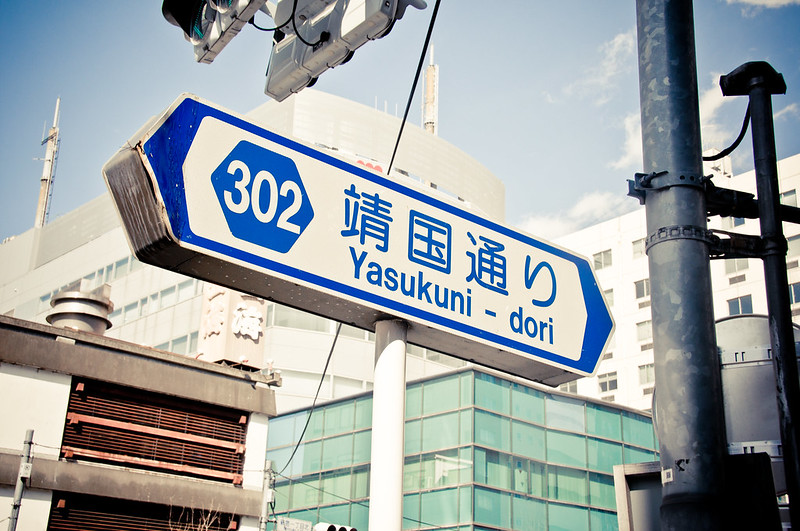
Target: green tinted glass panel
(335,486)
(280,458)
(527,404)
(493,468)
(363,413)
(492,430)
(413,437)
(305,492)
(637,455)
(637,430)
(492,507)
(466,388)
(567,518)
(566,484)
(337,452)
(360,480)
(337,513)
(601,491)
(282,492)
(538,479)
(414,401)
(339,418)
(564,413)
(603,455)
(465,456)
(529,514)
(603,422)
(439,507)
(440,431)
(440,469)
(412,474)
(308,457)
(465,426)
(440,395)
(411,511)
(566,449)
(281,431)
(465,504)
(603,521)
(314,430)
(520,476)
(359,515)
(362,446)
(527,440)
(492,393)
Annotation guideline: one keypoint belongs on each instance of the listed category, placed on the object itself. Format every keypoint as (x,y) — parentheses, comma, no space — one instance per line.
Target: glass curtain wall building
(482,452)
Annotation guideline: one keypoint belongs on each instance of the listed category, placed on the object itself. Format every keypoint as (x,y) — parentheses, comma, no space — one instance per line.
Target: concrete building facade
(128,437)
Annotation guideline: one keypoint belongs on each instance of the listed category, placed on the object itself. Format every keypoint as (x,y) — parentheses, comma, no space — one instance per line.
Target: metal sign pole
(691,429)
(760,81)
(388,425)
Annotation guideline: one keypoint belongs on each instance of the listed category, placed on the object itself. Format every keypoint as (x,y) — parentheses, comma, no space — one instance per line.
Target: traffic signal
(210,24)
(322,526)
(319,34)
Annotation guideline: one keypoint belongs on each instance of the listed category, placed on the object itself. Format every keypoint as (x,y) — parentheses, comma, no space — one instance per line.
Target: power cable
(727,151)
(314,403)
(414,85)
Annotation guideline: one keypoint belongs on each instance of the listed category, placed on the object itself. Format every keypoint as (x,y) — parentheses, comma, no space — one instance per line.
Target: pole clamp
(659,180)
(680,232)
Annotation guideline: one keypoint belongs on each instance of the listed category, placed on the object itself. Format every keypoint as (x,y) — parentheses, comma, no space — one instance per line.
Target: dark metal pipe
(691,428)
(760,81)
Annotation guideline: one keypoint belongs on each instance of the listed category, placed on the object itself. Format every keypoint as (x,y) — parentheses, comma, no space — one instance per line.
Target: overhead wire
(314,402)
(727,151)
(414,84)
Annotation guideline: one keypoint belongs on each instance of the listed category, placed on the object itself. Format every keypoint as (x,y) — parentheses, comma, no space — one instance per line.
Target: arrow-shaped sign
(214,196)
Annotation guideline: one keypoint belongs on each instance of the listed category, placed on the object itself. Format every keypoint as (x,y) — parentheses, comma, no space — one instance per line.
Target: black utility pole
(760,81)
(689,408)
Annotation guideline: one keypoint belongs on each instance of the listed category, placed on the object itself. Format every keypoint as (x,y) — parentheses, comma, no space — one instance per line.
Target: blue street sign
(215,196)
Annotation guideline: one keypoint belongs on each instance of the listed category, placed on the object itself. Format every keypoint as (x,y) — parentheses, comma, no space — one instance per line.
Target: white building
(616,246)
(161,309)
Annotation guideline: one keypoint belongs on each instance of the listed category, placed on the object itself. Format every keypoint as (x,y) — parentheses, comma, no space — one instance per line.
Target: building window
(607,356)
(794,293)
(647,374)
(794,245)
(642,288)
(638,248)
(602,259)
(569,387)
(644,330)
(734,265)
(740,305)
(609,296)
(789,198)
(607,381)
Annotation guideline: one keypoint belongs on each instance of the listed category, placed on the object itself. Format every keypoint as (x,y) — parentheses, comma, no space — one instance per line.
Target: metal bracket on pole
(679,232)
(661,180)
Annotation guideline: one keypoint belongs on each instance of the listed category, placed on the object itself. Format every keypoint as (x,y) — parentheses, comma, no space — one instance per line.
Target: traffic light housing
(210,24)
(319,34)
(323,526)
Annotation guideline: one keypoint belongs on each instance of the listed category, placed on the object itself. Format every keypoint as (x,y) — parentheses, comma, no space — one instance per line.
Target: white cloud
(617,57)
(792,109)
(590,209)
(711,100)
(631,156)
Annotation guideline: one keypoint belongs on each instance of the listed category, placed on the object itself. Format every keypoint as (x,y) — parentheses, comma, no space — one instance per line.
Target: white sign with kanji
(244,195)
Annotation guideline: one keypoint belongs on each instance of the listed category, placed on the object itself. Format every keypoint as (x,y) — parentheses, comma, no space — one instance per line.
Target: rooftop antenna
(49,170)
(430,98)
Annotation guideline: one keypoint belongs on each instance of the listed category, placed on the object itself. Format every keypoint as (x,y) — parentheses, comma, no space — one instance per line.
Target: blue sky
(544,94)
